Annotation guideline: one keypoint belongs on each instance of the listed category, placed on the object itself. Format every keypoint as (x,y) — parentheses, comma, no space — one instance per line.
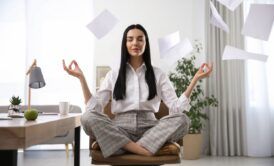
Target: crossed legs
(112,138)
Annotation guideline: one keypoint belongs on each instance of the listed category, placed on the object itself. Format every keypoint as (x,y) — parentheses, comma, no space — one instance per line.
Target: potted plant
(15,105)
(181,78)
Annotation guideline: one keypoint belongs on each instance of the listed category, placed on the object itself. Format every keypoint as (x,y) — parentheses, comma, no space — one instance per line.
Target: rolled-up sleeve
(98,101)
(170,98)
(91,103)
(184,102)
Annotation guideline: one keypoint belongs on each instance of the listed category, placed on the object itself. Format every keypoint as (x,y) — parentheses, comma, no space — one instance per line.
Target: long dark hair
(120,85)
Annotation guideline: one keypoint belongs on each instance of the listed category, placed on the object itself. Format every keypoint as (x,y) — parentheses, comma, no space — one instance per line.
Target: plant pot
(15,108)
(192,144)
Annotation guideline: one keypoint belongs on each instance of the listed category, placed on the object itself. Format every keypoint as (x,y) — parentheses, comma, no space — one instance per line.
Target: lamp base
(31,114)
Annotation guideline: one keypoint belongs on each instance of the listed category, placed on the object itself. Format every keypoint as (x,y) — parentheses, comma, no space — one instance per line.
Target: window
(49,31)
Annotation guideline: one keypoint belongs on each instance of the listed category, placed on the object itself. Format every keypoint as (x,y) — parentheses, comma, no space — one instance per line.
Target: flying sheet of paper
(168,42)
(102,24)
(177,52)
(216,19)
(259,21)
(231,53)
(231,4)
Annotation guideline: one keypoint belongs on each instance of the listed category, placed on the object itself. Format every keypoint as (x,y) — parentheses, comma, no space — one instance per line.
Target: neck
(136,62)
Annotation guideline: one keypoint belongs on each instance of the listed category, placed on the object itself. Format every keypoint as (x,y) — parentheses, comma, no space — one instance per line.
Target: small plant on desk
(15,104)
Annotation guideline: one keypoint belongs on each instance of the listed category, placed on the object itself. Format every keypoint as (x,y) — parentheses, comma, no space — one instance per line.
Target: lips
(135,49)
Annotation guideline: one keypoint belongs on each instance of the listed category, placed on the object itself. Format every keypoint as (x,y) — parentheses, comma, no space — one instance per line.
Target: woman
(135,91)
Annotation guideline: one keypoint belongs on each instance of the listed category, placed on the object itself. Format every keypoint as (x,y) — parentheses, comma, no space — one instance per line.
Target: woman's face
(136,42)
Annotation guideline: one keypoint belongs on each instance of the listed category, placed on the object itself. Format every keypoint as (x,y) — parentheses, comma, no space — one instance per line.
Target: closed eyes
(139,38)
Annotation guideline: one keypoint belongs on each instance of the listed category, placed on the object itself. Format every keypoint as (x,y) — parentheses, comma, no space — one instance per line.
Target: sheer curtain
(260,94)
(226,83)
(49,31)
(12,49)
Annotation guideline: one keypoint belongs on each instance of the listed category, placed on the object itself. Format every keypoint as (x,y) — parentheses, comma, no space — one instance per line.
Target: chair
(134,159)
(64,138)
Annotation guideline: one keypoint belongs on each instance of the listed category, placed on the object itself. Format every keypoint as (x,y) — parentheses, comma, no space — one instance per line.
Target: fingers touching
(207,69)
(204,70)
(70,70)
(64,65)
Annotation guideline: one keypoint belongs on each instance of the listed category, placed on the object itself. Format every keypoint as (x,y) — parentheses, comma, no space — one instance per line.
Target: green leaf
(181,78)
(15,100)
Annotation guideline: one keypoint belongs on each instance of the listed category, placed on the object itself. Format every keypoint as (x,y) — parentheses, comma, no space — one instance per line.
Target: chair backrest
(163,111)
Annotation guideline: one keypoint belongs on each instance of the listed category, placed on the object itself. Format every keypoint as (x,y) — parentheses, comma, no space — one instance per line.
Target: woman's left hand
(204,71)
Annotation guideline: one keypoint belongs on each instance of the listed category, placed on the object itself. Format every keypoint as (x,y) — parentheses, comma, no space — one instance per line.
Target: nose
(134,42)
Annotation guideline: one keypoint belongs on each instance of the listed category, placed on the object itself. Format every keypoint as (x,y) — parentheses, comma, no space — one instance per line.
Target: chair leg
(72,145)
(67,150)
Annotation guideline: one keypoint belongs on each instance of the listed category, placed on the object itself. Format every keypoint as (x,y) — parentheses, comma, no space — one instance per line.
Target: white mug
(64,108)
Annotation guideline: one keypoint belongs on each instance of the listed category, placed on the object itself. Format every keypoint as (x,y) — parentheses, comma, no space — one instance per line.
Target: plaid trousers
(137,126)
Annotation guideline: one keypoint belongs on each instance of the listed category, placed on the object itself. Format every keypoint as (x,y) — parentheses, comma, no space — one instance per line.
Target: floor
(58,158)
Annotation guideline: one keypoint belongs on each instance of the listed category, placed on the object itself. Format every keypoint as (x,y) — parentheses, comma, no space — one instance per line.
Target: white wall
(159,17)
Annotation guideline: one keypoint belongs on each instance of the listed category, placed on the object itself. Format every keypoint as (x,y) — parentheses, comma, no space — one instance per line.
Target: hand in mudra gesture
(73,69)
(203,72)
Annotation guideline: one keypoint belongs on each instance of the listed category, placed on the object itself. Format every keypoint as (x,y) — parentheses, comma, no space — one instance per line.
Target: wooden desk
(19,133)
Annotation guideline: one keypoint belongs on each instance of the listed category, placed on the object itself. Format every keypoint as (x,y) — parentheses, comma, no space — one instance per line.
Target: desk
(19,133)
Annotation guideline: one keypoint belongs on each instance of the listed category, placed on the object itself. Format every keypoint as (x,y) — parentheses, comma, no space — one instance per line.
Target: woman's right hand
(76,71)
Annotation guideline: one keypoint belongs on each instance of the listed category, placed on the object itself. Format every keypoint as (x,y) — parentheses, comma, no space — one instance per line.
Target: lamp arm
(28,72)
(32,65)
(29,96)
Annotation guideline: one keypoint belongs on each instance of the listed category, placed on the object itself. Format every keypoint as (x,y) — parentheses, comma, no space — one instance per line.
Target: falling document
(216,19)
(231,53)
(168,42)
(259,21)
(231,4)
(102,24)
(174,54)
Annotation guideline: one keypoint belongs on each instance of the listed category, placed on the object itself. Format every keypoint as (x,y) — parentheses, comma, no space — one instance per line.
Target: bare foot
(137,149)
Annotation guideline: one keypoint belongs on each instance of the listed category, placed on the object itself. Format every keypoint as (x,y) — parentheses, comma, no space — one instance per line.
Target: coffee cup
(64,107)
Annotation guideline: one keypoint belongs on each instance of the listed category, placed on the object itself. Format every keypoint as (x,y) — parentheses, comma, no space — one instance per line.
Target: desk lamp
(36,81)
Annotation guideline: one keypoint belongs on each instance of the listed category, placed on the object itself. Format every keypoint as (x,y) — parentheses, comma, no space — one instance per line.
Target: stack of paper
(4,116)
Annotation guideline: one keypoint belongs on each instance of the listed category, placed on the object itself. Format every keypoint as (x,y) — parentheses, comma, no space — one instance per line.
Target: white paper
(4,116)
(259,21)
(168,42)
(102,24)
(176,52)
(216,19)
(231,53)
(231,4)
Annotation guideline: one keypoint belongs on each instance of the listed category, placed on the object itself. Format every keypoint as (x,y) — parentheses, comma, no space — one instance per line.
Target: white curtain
(12,49)
(49,31)
(226,83)
(260,94)
(57,30)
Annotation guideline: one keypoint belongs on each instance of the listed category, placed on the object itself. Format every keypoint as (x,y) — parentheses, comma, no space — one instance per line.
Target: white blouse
(137,93)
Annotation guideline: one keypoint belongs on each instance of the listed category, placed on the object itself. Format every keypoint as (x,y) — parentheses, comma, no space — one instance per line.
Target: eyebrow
(133,37)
